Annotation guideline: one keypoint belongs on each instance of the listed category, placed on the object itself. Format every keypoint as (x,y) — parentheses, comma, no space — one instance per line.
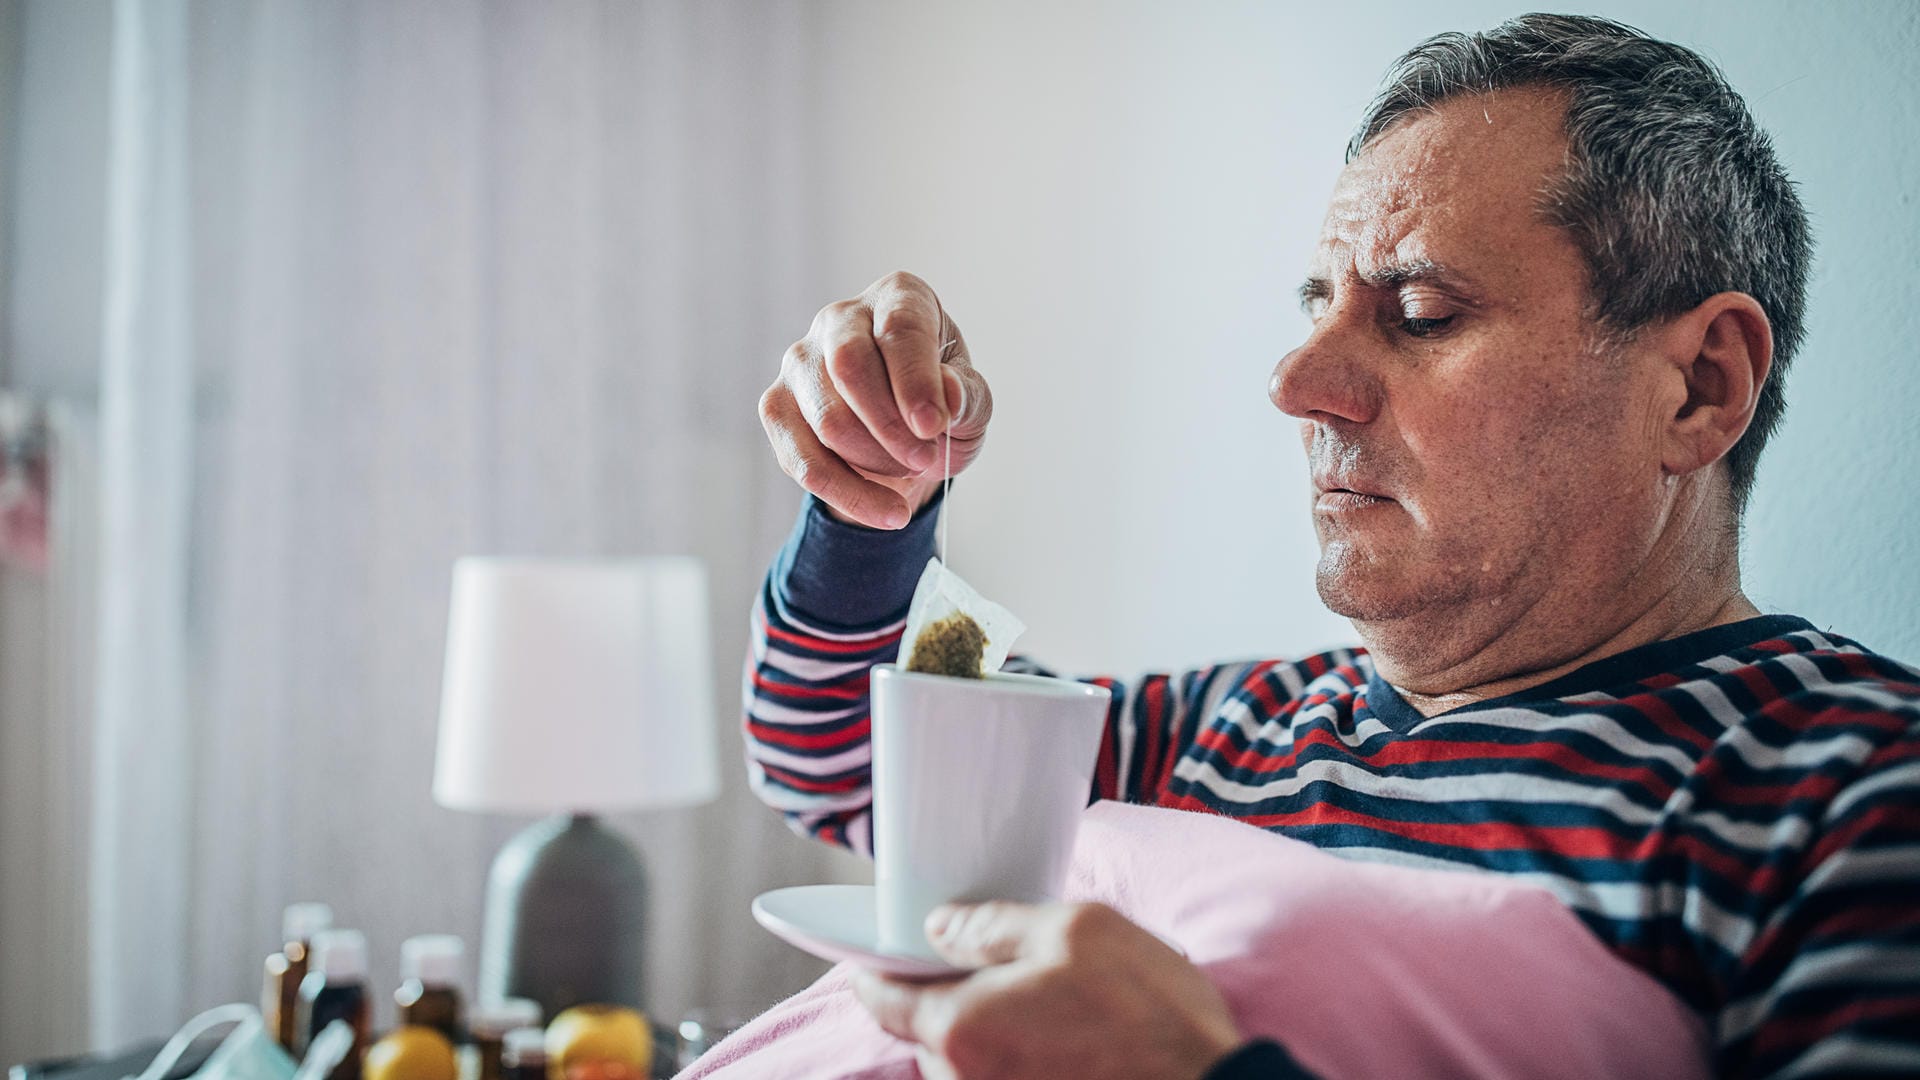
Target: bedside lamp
(573,687)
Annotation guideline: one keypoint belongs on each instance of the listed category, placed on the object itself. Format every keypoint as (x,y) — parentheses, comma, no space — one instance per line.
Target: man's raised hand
(859,414)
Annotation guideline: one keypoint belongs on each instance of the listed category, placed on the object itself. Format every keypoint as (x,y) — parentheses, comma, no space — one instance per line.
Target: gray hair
(1671,191)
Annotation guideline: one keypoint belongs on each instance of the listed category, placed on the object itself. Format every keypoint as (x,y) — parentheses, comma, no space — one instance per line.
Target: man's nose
(1325,378)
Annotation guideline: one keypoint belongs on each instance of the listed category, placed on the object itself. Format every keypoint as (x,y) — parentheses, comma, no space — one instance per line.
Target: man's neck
(1659,623)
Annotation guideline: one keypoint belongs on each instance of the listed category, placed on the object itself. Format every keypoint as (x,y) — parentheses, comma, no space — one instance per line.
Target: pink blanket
(1359,970)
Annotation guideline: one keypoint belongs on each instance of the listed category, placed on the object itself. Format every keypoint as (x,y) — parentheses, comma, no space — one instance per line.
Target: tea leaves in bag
(953,630)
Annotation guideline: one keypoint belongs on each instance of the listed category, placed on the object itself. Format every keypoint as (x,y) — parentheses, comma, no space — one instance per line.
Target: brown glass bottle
(431,965)
(490,1024)
(525,1054)
(336,989)
(280,992)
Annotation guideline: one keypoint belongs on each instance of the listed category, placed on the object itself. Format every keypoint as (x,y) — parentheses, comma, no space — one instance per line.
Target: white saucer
(836,922)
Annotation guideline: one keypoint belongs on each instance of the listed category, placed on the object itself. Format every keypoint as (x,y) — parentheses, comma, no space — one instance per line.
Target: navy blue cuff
(1261,1059)
(840,576)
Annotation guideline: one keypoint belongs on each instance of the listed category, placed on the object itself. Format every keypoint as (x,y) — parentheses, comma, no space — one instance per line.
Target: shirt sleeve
(833,605)
(1261,1059)
(1831,984)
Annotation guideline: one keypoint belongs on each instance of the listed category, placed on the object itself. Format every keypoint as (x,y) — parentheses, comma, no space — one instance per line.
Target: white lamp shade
(576,685)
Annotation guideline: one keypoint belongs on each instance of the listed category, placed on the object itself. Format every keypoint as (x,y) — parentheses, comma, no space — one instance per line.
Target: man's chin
(1359,605)
(1367,592)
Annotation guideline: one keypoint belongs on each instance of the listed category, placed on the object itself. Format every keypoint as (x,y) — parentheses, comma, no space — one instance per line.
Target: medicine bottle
(490,1023)
(525,1054)
(280,992)
(429,994)
(336,989)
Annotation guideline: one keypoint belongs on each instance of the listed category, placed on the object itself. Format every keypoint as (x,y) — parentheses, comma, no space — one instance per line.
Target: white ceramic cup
(978,789)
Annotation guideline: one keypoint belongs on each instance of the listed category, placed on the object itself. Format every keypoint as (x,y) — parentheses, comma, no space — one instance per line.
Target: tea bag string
(946,471)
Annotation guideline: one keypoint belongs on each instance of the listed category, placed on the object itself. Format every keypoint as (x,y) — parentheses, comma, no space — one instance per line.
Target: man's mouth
(1336,494)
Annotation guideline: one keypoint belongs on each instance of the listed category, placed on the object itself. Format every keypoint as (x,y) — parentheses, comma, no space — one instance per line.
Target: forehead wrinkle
(1388,242)
(1374,247)
(1411,175)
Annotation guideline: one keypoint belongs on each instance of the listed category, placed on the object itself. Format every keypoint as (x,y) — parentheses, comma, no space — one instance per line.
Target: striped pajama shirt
(1736,811)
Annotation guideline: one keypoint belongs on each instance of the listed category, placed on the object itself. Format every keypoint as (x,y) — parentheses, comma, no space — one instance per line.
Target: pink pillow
(1360,970)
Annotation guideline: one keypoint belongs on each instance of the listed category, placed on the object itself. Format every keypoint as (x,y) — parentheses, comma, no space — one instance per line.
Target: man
(1553,303)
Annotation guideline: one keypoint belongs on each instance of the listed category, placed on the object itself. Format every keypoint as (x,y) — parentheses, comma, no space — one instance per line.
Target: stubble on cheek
(1501,496)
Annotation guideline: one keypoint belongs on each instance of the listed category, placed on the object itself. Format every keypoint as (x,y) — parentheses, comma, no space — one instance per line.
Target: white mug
(978,788)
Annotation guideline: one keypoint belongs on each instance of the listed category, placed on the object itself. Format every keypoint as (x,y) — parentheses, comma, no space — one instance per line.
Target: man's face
(1474,455)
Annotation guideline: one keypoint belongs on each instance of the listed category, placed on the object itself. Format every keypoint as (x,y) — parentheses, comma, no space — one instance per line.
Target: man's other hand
(860,413)
(1068,990)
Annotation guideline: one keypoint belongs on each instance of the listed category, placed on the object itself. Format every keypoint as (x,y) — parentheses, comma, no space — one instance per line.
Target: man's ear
(1721,351)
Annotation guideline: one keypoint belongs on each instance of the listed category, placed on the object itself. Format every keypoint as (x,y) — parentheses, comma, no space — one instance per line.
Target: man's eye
(1424,327)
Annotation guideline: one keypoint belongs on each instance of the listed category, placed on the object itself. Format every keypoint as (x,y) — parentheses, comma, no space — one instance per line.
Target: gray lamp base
(566,917)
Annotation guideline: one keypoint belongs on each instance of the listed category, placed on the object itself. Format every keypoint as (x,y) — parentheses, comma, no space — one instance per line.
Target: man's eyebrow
(1392,275)
(1400,273)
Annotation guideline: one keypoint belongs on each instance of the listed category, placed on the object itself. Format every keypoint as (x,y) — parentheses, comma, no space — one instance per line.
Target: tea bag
(953,630)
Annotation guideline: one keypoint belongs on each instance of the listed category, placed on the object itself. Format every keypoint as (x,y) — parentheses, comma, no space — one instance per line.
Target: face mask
(248,1052)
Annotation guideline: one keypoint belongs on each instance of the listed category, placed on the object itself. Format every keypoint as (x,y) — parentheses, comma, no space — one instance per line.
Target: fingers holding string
(823,473)
(832,420)
(912,332)
(969,401)
(862,376)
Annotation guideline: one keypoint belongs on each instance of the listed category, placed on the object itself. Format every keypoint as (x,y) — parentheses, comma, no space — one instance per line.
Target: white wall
(1117,200)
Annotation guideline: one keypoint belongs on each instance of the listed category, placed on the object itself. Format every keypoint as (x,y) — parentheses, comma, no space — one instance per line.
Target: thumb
(980,935)
(969,401)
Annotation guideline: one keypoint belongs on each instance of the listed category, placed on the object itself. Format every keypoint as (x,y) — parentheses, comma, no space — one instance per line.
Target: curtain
(48,636)
(388,283)
(142,793)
